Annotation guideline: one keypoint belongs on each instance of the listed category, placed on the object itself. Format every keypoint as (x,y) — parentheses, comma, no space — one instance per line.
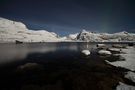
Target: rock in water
(18,42)
(118,46)
(104,52)
(101,46)
(86,52)
(29,66)
(116,50)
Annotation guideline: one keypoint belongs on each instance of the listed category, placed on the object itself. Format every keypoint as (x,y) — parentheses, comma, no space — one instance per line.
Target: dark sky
(70,16)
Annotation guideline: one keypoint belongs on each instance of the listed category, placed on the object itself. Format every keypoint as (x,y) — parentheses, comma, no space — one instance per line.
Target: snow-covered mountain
(88,36)
(102,37)
(10,31)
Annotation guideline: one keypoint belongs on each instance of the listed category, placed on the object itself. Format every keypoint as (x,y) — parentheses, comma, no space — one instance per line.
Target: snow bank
(129,62)
(123,86)
(130,75)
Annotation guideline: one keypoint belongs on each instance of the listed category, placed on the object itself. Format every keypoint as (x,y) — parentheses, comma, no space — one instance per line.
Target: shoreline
(122,42)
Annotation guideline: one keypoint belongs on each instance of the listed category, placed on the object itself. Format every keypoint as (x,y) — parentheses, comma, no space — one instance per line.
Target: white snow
(130,75)
(114,49)
(129,62)
(104,52)
(105,37)
(88,36)
(123,86)
(72,36)
(10,31)
(86,52)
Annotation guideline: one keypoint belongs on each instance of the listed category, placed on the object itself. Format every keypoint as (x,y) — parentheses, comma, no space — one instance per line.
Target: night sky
(71,16)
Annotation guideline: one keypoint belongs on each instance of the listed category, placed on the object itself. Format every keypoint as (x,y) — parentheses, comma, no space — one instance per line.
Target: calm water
(56,66)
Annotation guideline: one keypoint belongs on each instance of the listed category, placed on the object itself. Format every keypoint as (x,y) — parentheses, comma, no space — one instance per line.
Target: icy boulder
(104,52)
(86,52)
(101,46)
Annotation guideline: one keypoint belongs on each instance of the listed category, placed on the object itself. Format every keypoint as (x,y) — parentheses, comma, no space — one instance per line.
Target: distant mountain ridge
(12,31)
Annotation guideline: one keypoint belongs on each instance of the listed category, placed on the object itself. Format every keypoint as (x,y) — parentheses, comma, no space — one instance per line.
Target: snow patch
(123,86)
(130,75)
(129,62)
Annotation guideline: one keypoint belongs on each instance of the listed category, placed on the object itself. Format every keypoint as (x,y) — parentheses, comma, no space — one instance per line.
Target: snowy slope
(10,31)
(105,37)
(129,62)
(88,36)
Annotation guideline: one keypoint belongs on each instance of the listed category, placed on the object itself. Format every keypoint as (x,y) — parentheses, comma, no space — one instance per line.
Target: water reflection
(13,52)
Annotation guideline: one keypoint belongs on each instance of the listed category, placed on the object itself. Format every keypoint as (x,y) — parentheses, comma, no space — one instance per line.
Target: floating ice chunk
(86,52)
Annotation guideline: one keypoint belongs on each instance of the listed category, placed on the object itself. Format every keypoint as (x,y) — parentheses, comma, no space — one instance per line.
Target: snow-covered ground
(123,86)
(129,56)
(128,63)
(130,75)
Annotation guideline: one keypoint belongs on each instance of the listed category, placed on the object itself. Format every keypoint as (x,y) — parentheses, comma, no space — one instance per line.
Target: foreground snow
(123,86)
(130,75)
(129,62)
